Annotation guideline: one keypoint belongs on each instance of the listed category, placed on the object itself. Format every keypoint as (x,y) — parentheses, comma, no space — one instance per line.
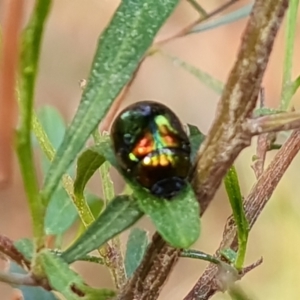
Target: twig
(224,142)
(257,199)
(8,103)
(202,12)
(187,29)
(273,123)
(263,144)
(261,150)
(17,279)
(8,248)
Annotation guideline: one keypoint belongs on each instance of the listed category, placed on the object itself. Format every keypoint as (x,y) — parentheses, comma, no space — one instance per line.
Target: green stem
(189,253)
(291,26)
(115,263)
(30,51)
(81,205)
(87,257)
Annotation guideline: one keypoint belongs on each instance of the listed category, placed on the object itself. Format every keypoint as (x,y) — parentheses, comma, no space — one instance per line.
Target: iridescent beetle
(152,146)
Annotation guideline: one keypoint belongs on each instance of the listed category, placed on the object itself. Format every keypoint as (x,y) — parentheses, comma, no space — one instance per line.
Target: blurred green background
(70,39)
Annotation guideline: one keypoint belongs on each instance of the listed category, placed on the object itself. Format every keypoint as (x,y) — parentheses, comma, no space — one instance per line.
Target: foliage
(64,198)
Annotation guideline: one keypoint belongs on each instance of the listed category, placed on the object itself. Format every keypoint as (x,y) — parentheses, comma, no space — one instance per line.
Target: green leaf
(176,220)
(66,281)
(196,139)
(61,213)
(234,16)
(207,79)
(96,204)
(236,201)
(53,124)
(121,48)
(121,213)
(136,247)
(87,164)
(29,292)
(26,247)
(229,255)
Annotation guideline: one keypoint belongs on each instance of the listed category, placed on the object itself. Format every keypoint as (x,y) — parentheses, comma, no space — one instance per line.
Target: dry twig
(8,248)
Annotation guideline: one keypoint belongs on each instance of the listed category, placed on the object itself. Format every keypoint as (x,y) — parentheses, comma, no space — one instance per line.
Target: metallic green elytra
(152,146)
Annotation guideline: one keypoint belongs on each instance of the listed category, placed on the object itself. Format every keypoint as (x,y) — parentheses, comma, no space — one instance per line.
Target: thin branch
(17,279)
(185,31)
(8,248)
(224,142)
(262,147)
(260,194)
(273,123)
(202,12)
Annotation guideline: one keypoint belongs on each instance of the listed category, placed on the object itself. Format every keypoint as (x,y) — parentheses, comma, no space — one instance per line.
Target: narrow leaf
(66,281)
(207,79)
(236,201)
(121,48)
(87,164)
(121,213)
(61,213)
(231,17)
(136,246)
(53,124)
(26,247)
(177,220)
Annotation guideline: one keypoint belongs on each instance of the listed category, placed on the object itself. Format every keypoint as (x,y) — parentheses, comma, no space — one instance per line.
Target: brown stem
(272,123)
(224,142)
(261,150)
(8,248)
(260,194)
(227,137)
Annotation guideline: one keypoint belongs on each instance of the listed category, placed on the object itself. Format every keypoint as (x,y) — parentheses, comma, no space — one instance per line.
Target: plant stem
(29,66)
(8,248)
(199,255)
(113,254)
(17,279)
(83,209)
(291,26)
(202,12)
